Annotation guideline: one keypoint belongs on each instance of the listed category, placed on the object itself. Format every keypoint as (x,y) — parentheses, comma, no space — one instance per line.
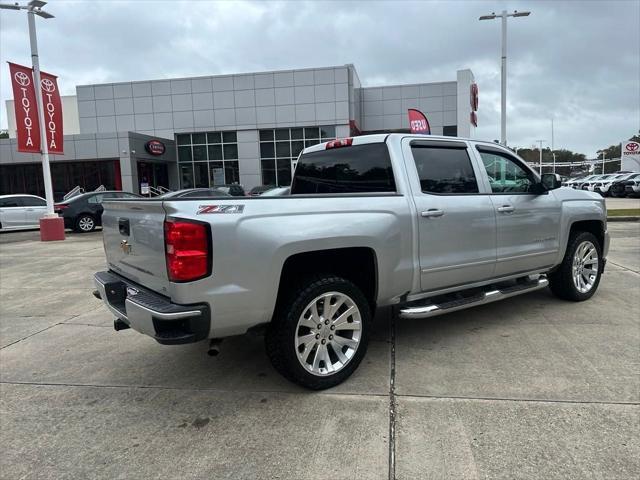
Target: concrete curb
(623,219)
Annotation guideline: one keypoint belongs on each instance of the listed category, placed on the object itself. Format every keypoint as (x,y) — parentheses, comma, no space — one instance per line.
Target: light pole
(540,142)
(34,7)
(553,151)
(503,77)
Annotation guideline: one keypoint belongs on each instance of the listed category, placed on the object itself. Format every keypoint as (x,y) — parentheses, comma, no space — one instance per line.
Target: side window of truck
(505,175)
(349,169)
(444,170)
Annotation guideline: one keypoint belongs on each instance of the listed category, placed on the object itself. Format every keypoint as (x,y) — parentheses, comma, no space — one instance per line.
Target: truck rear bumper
(152,314)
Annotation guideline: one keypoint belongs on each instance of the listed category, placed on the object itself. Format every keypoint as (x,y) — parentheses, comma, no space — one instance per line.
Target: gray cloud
(578,61)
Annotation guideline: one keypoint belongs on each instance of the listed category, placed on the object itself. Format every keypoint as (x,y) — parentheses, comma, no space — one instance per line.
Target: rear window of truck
(351,169)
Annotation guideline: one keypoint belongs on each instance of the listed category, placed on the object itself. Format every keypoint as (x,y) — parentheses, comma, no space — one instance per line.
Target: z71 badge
(205,209)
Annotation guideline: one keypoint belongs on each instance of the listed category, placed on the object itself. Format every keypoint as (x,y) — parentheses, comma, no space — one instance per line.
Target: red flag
(418,122)
(25,105)
(52,106)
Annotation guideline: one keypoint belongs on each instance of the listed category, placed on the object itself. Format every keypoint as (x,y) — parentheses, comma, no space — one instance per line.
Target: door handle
(507,209)
(29,209)
(432,212)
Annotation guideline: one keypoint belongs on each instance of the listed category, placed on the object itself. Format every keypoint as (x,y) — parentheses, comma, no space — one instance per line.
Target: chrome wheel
(328,333)
(585,266)
(86,224)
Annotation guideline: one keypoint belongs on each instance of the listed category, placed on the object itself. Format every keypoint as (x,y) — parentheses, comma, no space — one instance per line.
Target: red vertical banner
(52,105)
(418,122)
(26,108)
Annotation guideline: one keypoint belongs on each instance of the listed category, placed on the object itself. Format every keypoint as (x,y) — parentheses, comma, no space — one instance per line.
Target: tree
(4,133)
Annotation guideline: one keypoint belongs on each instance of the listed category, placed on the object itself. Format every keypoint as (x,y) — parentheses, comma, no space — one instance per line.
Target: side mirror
(551,181)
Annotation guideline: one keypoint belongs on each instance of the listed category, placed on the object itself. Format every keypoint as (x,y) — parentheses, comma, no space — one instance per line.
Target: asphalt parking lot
(532,387)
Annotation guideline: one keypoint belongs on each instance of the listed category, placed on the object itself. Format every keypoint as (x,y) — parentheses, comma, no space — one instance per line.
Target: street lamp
(34,7)
(503,78)
(540,142)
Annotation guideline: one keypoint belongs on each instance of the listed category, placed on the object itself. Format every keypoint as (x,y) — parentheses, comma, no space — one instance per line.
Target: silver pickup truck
(427,224)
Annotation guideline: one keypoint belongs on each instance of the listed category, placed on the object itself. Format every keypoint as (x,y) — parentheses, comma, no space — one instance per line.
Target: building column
(464,80)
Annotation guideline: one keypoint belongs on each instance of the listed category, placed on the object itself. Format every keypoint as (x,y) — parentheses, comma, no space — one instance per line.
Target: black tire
(281,334)
(85,223)
(561,280)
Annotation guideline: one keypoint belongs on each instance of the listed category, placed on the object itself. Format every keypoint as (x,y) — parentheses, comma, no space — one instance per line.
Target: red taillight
(340,142)
(188,251)
(60,206)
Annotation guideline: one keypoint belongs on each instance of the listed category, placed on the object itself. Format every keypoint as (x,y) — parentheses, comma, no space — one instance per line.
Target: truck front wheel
(320,333)
(578,276)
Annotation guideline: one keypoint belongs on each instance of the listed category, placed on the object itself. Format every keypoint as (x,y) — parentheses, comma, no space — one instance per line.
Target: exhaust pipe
(120,325)
(214,347)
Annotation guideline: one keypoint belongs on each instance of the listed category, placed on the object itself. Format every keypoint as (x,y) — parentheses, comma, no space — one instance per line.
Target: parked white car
(589,184)
(577,181)
(21,211)
(604,183)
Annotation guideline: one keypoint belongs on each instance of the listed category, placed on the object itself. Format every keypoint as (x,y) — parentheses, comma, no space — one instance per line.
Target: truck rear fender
(357,264)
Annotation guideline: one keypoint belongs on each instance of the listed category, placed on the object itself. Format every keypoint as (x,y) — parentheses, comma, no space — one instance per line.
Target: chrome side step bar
(432,310)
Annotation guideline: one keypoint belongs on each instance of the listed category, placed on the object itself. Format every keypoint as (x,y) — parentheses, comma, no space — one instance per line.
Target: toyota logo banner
(24,95)
(26,110)
(52,112)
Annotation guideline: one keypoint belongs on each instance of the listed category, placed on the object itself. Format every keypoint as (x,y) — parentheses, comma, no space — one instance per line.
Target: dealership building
(212,130)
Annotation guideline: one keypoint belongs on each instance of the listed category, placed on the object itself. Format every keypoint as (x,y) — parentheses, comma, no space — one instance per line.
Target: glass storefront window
(328,132)
(201,174)
(216,170)
(199,152)
(311,132)
(268,168)
(231,172)
(214,137)
(279,149)
(198,138)
(184,154)
(283,149)
(184,139)
(266,150)
(215,152)
(266,135)
(210,153)
(229,137)
(231,151)
(186,176)
(282,134)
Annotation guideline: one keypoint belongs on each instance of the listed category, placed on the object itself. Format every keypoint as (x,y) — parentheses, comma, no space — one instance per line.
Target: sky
(576,61)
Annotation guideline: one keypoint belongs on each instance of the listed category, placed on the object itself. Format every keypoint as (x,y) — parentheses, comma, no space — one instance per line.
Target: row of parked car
(83,213)
(620,184)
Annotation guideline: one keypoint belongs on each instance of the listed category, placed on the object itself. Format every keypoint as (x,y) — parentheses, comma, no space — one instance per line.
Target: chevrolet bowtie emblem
(125,246)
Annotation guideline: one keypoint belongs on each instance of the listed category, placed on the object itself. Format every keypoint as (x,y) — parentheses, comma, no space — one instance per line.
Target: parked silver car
(21,211)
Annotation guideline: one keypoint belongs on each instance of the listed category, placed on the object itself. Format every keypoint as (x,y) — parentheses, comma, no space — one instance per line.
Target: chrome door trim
(453,267)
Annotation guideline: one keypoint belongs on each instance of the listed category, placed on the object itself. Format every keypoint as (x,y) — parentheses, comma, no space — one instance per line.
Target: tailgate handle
(123,226)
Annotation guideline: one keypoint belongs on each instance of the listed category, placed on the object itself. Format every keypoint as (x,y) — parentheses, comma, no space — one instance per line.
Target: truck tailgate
(133,235)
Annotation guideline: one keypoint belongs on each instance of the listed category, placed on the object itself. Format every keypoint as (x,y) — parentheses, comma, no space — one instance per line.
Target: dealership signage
(52,112)
(418,122)
(154,147)
(28,128)
(630,156)
(630,149)
(26,110)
